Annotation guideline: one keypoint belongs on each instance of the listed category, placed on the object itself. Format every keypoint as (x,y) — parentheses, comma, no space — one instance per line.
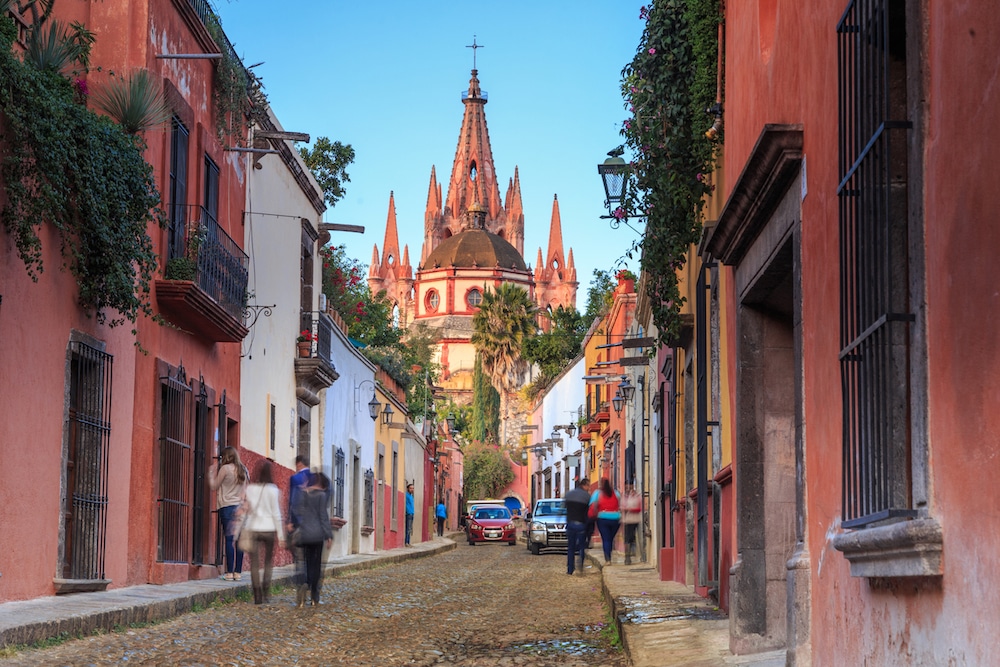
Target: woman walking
(631,509)
(313,530)
(604,502)
(229,481)
(263,520)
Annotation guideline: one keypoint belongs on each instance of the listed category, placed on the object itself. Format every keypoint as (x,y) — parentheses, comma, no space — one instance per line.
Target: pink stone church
(473,241)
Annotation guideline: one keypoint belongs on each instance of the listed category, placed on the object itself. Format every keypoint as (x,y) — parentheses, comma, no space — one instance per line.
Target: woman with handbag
(262,529)
(312,531)
(229,481)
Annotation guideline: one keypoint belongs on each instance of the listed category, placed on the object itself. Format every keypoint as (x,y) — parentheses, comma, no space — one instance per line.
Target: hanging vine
(240,101)
(70,168)
(668,88)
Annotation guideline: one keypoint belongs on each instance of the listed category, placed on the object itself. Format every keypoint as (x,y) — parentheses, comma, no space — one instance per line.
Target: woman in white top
(230,483)
(263,519)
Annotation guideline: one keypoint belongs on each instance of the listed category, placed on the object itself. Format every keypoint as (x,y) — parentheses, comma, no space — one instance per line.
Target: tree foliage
(668,87)
(487,472)
(368,316)
(67,167)
(485,426)
(328,160)
(600,295)
(504,321)
(553,350)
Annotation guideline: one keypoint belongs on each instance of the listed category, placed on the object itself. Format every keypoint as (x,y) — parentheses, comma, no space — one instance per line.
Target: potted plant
(626,280)
(304,342)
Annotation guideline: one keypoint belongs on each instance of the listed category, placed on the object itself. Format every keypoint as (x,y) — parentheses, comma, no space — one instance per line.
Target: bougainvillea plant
(668,88)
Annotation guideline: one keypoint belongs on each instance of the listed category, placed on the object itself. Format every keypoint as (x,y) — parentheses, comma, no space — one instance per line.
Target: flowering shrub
(306,336)
(667,88)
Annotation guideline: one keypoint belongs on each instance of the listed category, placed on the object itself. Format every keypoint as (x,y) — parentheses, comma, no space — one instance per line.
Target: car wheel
(536,548)
(471,543)
(511,544)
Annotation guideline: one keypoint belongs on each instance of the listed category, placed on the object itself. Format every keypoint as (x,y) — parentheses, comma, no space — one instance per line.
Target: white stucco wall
(347,425)
(274,206)
(559,407)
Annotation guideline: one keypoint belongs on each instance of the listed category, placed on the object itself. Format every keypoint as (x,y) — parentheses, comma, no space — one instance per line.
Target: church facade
(473,241)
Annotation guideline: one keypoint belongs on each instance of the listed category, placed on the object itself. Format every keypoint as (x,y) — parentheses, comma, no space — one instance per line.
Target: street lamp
(626,389)
(387,414)
(617,402)
(614,173)
(373,405)
(451,422)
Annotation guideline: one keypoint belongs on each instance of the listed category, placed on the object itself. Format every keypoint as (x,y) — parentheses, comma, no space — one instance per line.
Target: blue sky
(386,77)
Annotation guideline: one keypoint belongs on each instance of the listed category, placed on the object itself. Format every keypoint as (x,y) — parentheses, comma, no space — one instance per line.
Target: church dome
(475,248)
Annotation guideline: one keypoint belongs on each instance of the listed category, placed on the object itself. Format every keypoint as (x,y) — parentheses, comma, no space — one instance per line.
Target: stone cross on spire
(474,46)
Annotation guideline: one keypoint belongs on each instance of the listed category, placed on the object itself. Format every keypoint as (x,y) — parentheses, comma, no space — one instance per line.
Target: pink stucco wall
(782,68)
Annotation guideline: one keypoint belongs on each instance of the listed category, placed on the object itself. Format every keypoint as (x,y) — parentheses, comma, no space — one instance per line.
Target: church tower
(473,241)
(555,274)
(390,274)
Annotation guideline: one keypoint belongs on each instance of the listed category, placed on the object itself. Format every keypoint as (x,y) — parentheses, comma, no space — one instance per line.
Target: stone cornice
(771,166)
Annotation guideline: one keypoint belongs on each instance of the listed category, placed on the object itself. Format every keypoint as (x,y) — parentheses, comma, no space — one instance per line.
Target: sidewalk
(664,624)
(30,621)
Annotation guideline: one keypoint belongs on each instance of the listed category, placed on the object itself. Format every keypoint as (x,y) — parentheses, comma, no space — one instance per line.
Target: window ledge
(904,549)
(65,586)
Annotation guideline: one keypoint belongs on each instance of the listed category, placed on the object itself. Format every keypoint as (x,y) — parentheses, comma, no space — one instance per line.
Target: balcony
(316,372)
(603,413)
(204,289)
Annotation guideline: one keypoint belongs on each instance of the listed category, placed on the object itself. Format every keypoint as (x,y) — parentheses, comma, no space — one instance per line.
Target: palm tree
(506,318)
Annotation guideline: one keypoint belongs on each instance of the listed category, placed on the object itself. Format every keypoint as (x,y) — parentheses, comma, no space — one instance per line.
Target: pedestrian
(314,532)
(577,503)
(604,508)
(296,483)
(441,513)
(631,508)
(263,521)
(229,481)
(409,514)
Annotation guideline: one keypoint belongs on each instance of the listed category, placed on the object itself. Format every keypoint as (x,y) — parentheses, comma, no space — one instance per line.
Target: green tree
(485,426)
(504,321)
(486,470)
(328,160)
(600,295)
(552,351)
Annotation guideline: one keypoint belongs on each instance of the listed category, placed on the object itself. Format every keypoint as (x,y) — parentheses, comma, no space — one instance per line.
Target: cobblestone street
(484,605)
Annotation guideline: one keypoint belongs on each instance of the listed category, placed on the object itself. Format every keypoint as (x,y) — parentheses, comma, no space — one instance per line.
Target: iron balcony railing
(320,325)
(210,257)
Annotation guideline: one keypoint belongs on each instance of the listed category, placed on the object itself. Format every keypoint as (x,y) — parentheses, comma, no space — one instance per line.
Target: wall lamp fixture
(373,405)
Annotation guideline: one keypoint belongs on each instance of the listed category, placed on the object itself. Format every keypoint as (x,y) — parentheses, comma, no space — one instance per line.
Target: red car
(491,524)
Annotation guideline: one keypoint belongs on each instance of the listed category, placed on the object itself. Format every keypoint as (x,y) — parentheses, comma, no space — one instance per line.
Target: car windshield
(551,508)
(492,513)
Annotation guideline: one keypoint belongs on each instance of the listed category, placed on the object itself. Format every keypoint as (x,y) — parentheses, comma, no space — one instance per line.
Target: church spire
(473,168)
(390,246)
(555,249)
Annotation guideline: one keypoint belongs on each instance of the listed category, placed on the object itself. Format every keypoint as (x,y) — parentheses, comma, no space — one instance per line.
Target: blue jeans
(234,557)
(576,538)
(409,527)
(608,528)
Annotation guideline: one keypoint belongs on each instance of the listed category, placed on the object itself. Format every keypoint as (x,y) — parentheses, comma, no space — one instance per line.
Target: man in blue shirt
(441,513)
(409,513)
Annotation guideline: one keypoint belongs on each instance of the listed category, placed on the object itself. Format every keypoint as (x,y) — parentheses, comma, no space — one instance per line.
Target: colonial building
(473,241)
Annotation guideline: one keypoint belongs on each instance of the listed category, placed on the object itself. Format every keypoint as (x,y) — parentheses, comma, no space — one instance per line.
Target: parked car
(472,505)
(547,525)
(491,523)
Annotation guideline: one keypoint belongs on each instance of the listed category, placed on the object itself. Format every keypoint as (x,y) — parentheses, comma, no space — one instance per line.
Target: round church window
(474,298)
(432,301)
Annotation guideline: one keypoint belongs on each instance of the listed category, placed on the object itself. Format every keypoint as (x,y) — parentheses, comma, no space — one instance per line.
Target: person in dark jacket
(314,531)
(577,504)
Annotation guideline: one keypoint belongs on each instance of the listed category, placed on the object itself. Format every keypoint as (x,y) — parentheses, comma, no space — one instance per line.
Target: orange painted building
(856,252)
(107,437)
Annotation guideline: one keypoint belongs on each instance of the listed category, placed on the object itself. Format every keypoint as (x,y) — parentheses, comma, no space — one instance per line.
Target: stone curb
(32,621)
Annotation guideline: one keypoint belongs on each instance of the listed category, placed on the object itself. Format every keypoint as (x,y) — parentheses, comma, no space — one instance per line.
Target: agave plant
(52,47)
(135,102)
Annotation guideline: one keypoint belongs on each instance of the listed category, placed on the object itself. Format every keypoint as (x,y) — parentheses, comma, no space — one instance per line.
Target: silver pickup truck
(547,525)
